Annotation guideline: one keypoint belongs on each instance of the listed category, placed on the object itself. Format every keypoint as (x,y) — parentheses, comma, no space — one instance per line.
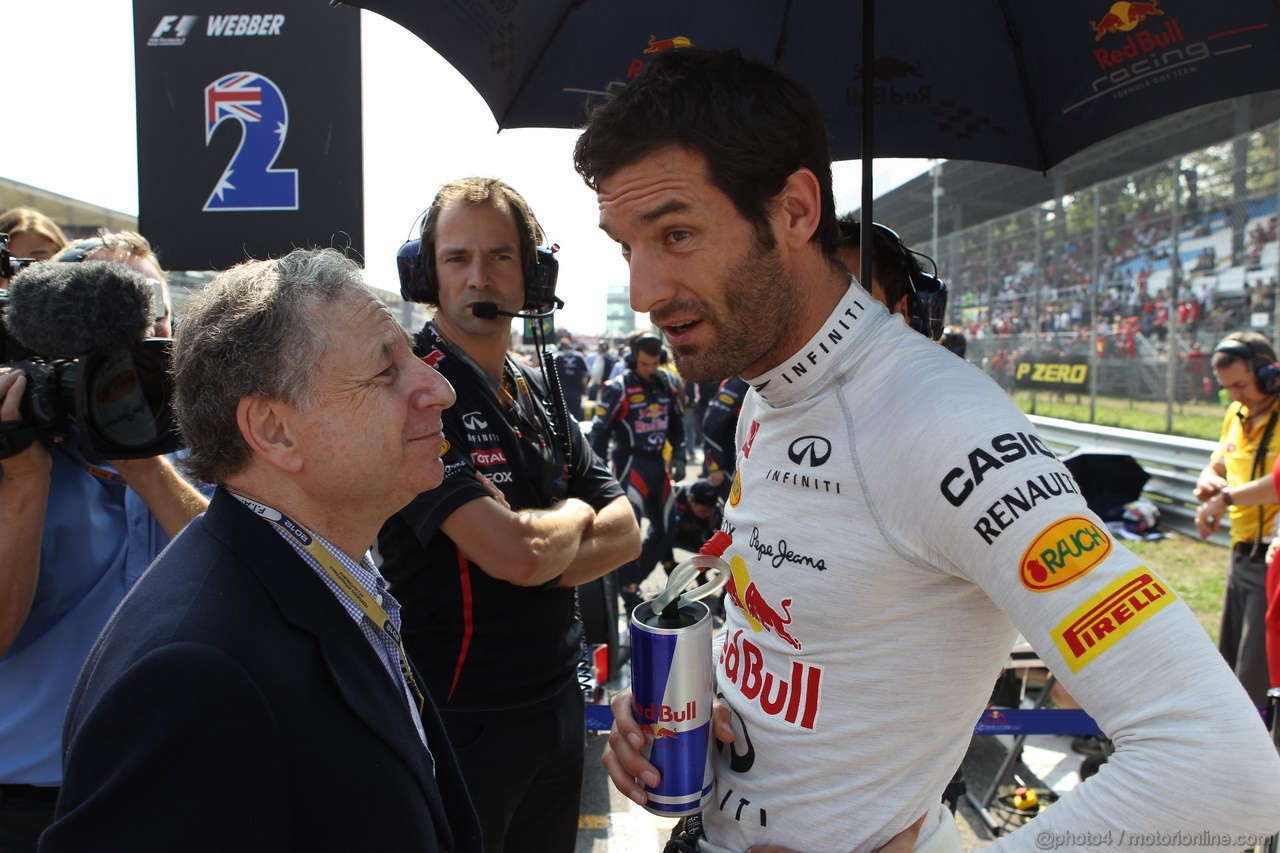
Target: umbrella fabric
(1024,84)
(1107,480)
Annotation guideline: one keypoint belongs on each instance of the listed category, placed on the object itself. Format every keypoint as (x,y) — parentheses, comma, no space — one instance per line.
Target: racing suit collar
(799,375)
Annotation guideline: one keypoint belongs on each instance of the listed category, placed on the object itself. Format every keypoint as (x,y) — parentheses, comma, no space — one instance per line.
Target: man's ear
(902,307)
(265,425)
(798,208)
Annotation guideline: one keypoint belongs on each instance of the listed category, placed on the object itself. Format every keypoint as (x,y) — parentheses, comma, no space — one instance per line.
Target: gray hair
(251,332)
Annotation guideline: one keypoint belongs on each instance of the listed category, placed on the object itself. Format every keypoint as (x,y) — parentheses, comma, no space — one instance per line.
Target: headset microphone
(490,311)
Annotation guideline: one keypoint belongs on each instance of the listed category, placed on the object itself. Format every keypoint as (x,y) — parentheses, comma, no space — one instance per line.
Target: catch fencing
(1138,277)
(1173,463)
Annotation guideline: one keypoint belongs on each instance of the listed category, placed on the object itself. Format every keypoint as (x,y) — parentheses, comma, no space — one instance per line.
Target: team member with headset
(1245,364)
(1263,491)
(485,565)
(639,412)
(897,280)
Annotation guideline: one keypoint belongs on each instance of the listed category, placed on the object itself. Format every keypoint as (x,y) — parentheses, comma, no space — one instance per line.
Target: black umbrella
(1020,83)
(1024,84)
(1107,479)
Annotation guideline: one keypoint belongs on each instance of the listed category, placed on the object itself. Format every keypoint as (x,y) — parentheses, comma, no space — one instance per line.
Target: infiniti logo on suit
(810,450)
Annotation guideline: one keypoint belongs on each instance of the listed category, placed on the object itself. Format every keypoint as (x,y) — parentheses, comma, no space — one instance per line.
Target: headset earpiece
(1268,376)
(416,282)
(926,294)
(1265,373)
(927,305)
(540,279)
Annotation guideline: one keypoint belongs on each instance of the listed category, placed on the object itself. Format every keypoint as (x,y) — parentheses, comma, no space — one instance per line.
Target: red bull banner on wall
(249,129)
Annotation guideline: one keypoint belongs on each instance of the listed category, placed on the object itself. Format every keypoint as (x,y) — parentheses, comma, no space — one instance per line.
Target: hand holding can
(671,685)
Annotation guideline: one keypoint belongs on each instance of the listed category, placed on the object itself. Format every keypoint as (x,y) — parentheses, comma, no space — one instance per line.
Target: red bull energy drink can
(671,686)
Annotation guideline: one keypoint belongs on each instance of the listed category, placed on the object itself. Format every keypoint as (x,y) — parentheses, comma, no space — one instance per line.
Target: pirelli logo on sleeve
(1110,615)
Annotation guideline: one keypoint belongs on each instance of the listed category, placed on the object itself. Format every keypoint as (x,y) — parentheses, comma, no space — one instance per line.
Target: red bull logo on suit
(794,697)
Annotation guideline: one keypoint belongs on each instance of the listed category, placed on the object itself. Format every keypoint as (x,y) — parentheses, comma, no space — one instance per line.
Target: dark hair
(702,492)
(888,261)
(953,340)
(753,125)
(483,191)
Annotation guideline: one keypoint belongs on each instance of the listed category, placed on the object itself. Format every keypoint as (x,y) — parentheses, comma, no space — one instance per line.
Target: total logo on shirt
(488,457)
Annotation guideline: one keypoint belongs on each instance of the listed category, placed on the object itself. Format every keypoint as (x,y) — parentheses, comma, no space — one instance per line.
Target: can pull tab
(684,574)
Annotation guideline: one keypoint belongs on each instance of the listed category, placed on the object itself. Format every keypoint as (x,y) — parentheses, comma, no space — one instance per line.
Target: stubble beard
(761,306)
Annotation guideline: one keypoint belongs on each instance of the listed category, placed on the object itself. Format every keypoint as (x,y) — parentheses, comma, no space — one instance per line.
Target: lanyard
(342,577)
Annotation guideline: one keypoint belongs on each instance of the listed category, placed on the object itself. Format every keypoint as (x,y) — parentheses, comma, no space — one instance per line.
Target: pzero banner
(249,128)
(1053,373)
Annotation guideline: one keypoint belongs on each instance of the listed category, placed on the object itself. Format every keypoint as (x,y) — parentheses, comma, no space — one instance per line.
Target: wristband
(1226,497)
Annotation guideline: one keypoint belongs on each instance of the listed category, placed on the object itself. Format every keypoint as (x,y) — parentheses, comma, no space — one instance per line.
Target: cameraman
(75,534)
(134,251)
(31,235)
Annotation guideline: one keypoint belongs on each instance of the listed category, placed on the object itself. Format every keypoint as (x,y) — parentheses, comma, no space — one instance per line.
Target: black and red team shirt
(482,643)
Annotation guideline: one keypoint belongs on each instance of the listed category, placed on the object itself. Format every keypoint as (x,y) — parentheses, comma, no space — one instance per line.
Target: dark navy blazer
(232,704)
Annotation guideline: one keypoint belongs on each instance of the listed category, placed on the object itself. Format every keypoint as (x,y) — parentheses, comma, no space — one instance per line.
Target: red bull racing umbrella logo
(1122,18)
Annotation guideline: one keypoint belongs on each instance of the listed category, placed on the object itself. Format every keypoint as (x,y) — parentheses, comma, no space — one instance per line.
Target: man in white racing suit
(895,521)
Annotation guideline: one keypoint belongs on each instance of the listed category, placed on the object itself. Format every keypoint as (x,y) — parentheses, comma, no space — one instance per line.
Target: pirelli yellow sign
(1110,616)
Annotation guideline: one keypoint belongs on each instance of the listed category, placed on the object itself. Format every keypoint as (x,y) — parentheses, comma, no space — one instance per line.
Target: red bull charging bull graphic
(1123,17)
(760,614)
(794,696)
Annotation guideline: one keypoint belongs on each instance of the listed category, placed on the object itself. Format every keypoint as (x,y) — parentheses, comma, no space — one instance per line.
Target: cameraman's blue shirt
(99,537)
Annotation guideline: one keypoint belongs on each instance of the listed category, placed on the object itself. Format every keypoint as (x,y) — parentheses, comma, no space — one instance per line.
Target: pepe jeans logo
(810,450)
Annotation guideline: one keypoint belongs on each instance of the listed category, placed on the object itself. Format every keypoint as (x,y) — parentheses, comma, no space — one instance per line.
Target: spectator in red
(1197,362)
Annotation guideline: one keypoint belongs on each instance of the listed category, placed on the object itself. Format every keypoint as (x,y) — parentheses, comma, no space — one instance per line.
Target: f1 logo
(183,28)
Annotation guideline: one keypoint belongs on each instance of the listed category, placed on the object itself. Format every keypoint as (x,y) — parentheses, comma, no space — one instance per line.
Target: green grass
(1191,420)
(1196,570)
